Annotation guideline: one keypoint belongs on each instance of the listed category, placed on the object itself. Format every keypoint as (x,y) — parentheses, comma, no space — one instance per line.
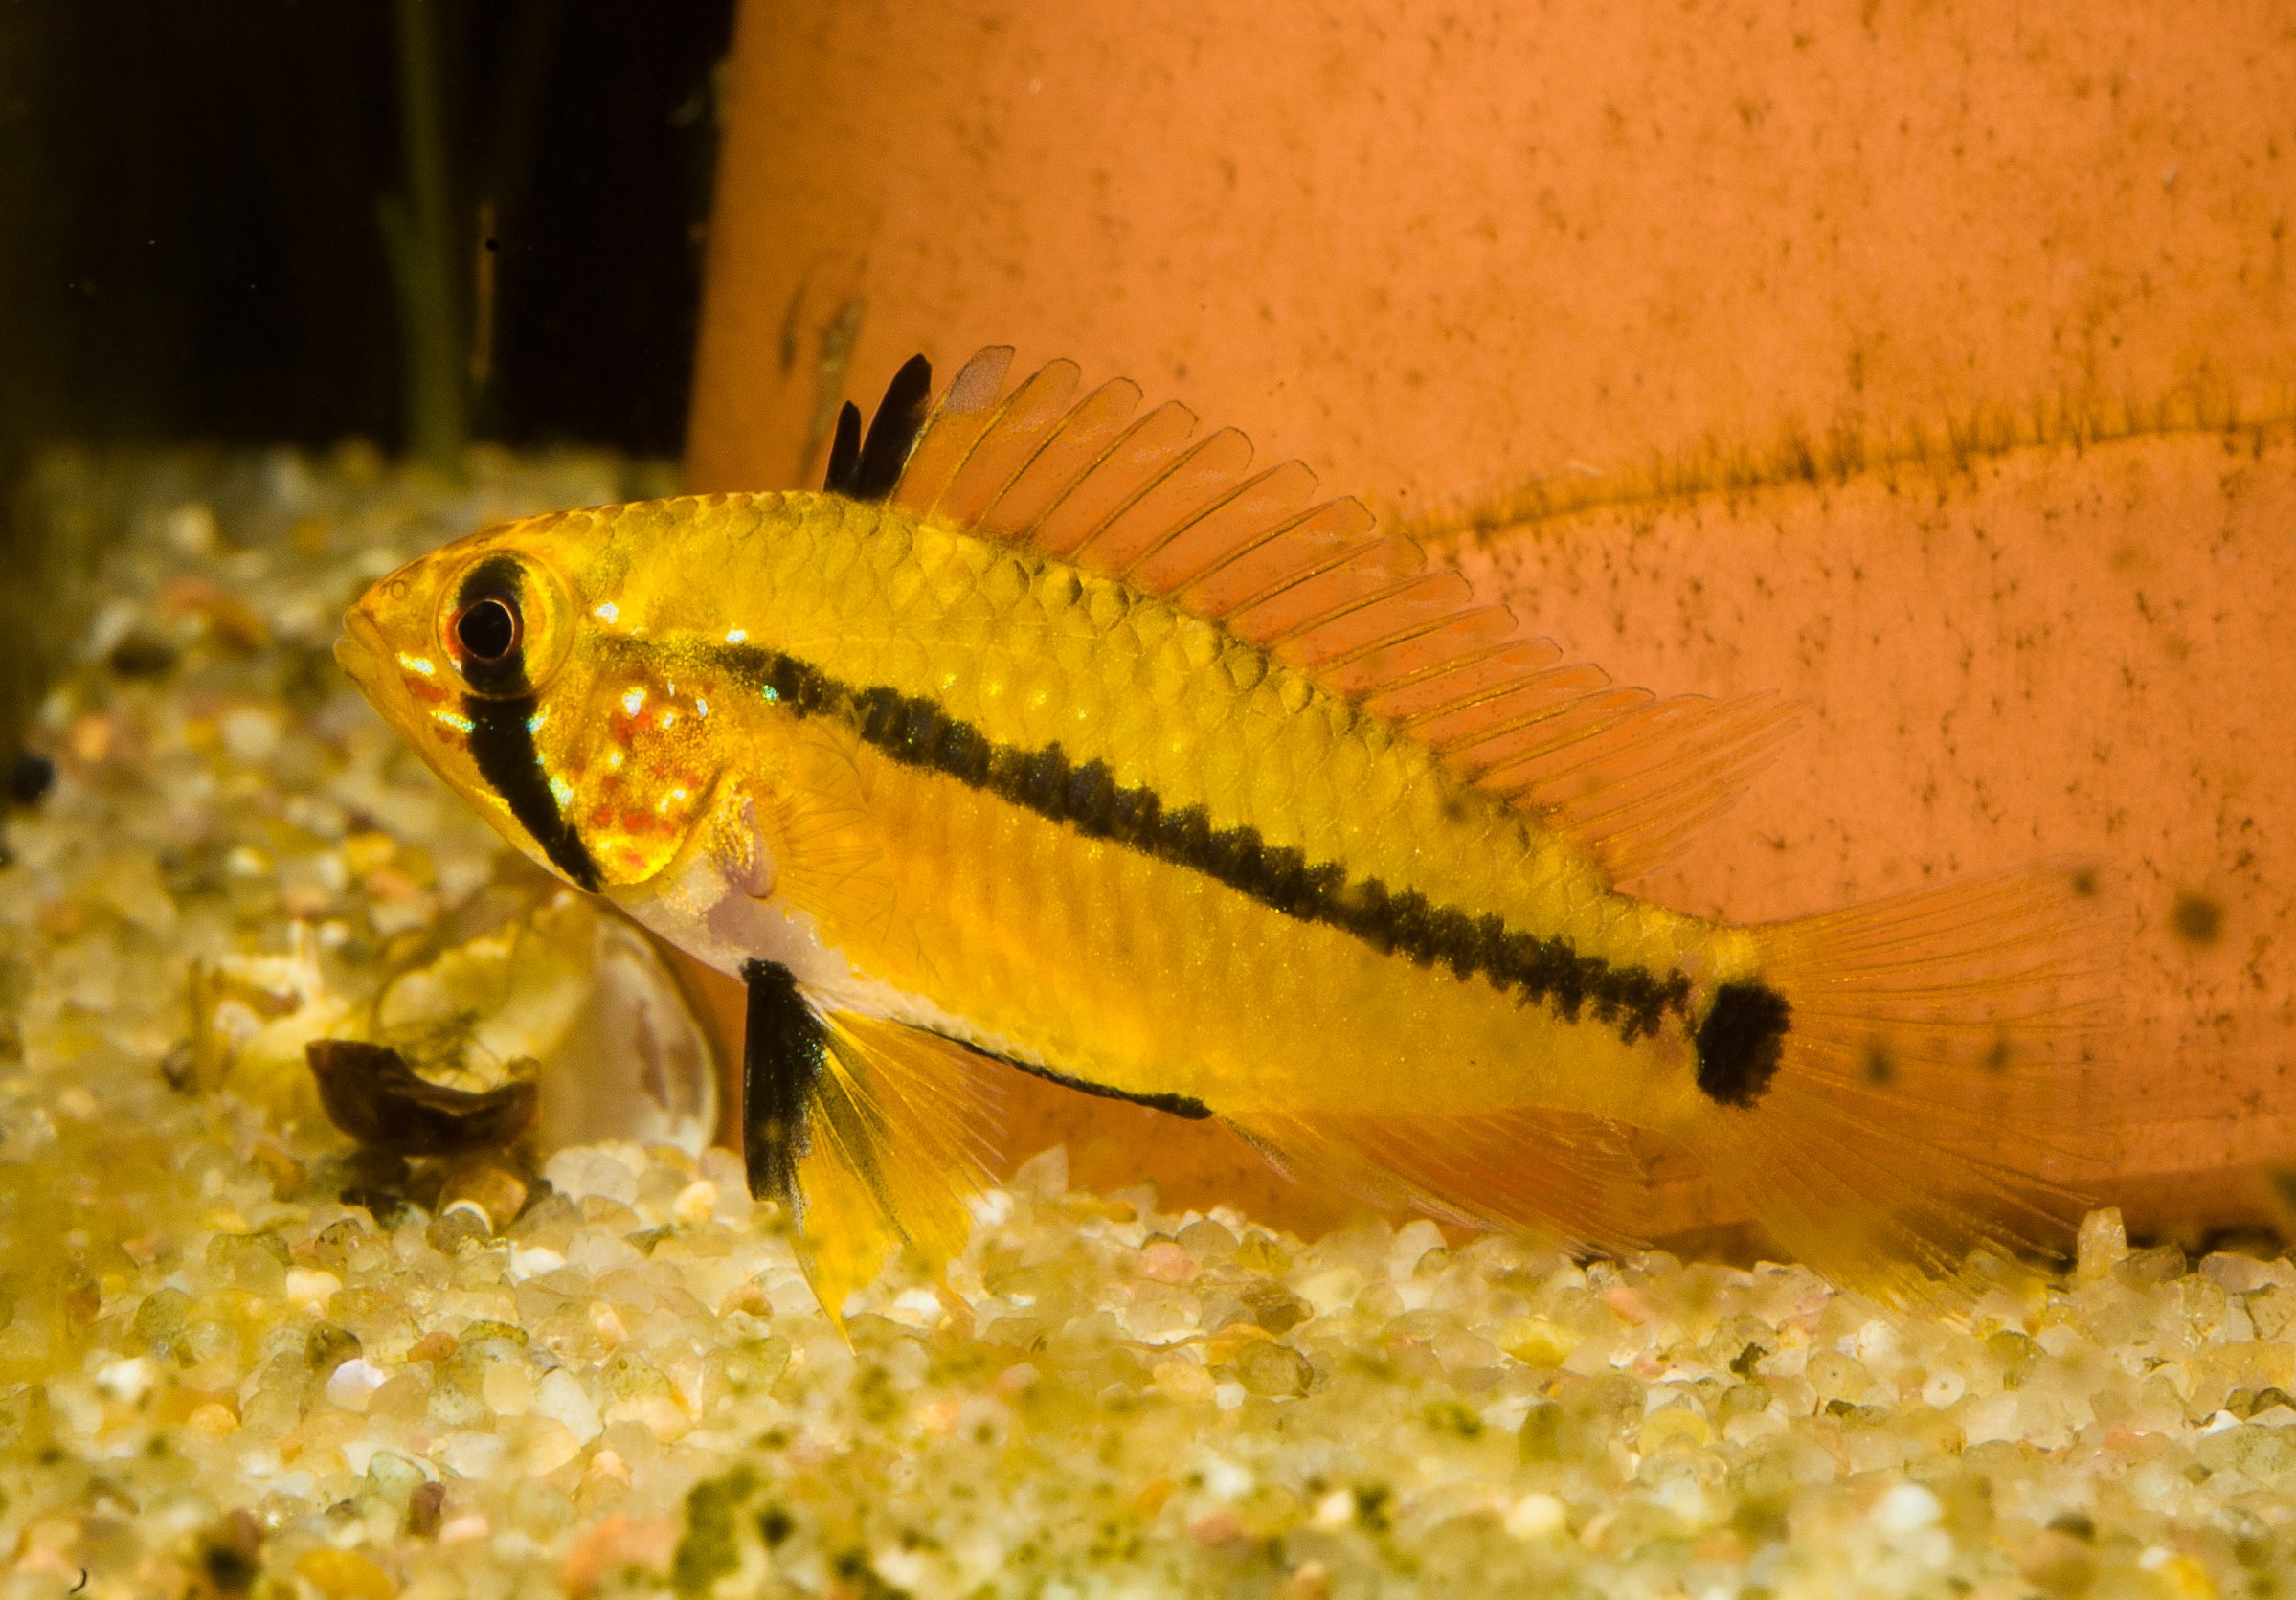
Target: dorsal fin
(1144,499)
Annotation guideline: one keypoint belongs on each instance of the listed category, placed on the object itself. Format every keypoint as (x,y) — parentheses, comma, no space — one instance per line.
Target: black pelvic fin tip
(783,1048)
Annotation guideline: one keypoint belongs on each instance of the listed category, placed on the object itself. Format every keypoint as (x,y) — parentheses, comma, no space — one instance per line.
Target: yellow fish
(1052,737)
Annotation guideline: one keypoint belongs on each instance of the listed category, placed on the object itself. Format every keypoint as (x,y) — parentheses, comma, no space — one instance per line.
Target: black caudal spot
(844,450)
(1740,1042)
(917,731)
(893,431)
(487,627)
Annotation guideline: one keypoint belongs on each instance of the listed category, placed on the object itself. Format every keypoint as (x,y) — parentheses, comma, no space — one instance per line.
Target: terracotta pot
(1925,367)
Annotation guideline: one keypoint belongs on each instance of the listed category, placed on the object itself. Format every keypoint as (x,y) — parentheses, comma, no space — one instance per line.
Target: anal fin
(1526,1167)
(873,1134)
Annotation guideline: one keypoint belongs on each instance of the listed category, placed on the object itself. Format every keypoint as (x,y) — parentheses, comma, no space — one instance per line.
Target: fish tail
(1915,1078)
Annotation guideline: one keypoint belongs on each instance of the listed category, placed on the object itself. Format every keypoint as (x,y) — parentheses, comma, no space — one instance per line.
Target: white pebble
(696,1202)
(532,1261)
(354,1383)
(1876,1341)
(509,1391)
(2102,1245)
(549,1450)
(1944,1388)
(917,1308)
(1907,1509)
(309,1289)
(1534,1516)
(2242,1275)
(595,1250)
(1225,1479)
(561,1399)
(588,1169)
(472,1455)
(192,529)
(1412,1240)
(127,1381)
(249,734)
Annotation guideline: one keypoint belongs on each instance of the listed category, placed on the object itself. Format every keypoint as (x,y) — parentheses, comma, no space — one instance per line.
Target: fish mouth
(360,651)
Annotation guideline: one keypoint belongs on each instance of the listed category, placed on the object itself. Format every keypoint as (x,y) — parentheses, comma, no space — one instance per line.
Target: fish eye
(488,628)
(505,622)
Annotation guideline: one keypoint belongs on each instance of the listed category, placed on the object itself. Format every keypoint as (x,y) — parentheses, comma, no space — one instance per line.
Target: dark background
(189,239)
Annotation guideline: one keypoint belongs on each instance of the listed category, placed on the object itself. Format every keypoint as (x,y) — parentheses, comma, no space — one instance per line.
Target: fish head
(498,659)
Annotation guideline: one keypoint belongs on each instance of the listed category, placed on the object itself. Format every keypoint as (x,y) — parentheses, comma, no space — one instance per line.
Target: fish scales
(1050,940)
(1174,785)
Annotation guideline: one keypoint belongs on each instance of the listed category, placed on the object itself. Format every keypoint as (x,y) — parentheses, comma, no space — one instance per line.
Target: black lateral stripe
(916,732)
(503,745)
(783,1051)
(893,430)
(845,451)
(1182,1106)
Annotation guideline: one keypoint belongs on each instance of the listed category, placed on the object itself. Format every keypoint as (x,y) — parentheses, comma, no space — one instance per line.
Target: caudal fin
(1930,1083)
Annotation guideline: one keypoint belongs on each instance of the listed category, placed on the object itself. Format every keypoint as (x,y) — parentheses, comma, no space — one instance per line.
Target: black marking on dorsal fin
(893,431)
(1740,1042)
(845,451)
(784,1048)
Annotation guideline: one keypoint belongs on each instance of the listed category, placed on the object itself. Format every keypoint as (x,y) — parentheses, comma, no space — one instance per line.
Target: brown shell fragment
(373,1095)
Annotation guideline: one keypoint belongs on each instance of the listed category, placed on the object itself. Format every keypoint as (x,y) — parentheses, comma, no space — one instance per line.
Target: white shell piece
(636,1064)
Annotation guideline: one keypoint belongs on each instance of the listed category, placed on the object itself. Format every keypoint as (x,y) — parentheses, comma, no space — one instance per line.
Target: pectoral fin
(872,1134)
